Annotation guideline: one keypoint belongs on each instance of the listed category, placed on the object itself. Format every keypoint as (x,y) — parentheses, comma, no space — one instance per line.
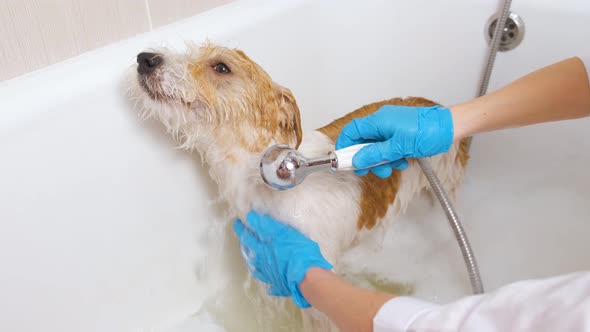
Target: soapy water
(414,255)
(232,300)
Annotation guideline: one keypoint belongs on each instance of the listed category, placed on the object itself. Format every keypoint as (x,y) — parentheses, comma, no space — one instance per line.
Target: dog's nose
(147,62)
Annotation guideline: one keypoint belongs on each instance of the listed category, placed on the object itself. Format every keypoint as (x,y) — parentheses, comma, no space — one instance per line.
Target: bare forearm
(557,92)
(349,307)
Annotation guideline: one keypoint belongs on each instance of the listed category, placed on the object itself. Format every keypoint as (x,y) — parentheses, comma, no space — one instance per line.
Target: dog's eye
(221,68)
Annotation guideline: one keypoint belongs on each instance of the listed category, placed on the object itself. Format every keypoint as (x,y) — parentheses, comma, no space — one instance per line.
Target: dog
(218,102)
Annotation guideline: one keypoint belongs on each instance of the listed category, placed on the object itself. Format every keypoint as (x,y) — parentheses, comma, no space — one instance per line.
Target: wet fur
(230,119)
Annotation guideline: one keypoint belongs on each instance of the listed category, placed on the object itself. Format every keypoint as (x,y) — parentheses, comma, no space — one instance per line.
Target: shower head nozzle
(282,167)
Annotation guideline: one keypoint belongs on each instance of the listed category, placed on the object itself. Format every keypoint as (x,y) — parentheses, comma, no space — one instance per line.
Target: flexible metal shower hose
(468,257)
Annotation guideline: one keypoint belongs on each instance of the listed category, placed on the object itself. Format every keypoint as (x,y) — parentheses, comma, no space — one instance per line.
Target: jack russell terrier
(220,103)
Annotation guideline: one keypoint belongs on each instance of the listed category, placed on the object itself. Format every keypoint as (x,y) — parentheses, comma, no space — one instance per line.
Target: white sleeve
(556,304)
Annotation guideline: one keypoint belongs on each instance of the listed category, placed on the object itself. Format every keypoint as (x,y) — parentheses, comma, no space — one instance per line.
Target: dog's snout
(148,62)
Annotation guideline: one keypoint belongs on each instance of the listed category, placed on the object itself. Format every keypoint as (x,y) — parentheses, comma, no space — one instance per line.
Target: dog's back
(379,194)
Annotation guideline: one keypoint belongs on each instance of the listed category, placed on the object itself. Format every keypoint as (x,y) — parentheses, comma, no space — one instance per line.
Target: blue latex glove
(278,255)
(399,132)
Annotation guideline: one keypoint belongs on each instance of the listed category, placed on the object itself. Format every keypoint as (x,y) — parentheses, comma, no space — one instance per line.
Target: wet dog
(218,102)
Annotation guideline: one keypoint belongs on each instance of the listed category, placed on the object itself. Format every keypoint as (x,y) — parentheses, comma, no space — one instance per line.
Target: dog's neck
(236,173)
(321,197)
(233,156)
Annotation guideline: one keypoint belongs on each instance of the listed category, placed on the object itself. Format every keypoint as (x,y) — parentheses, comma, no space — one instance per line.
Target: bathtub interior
(106,226)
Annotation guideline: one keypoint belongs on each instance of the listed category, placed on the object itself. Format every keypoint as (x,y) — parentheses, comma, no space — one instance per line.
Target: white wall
(38,33)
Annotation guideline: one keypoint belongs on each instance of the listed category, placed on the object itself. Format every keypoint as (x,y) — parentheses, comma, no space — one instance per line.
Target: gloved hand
(399,132)
(278,255)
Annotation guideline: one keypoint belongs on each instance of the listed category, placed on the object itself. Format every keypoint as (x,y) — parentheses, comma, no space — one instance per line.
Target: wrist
(312,276)
(350,307)
(302,270)
(461,121)
(434,131)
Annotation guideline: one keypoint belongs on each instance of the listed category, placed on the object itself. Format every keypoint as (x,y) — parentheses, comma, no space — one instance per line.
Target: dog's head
(216,97)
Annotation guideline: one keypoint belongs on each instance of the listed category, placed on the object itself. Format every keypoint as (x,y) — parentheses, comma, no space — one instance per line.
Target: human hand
(399,132)
(278,255)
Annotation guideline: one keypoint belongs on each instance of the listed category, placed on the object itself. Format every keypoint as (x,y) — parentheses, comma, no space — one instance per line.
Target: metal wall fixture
(512,34)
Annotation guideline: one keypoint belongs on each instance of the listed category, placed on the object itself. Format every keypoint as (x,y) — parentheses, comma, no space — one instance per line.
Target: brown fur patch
(244,100)
(463,153)
(378,194)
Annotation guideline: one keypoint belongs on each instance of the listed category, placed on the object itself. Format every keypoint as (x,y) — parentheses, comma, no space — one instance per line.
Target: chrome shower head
(282,167)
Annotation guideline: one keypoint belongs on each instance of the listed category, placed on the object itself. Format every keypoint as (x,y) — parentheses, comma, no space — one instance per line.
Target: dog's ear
(289,116)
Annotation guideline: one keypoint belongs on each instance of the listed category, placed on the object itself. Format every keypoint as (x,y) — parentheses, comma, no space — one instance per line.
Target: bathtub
(103,222)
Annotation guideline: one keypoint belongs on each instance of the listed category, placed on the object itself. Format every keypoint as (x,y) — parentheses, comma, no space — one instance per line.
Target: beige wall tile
(36,33)
(167,11)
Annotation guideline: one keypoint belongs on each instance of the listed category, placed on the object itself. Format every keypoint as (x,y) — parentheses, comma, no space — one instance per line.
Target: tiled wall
(37,33)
